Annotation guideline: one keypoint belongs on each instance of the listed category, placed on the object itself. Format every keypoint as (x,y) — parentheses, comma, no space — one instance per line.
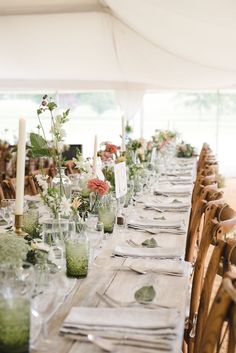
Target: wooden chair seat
(218,220)
(222,309)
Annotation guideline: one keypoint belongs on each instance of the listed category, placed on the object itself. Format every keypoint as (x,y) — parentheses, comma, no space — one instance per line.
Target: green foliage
(39,146)
(145,294)
(13,249)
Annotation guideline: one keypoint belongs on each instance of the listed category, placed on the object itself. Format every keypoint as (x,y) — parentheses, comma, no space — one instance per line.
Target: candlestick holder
(19,225)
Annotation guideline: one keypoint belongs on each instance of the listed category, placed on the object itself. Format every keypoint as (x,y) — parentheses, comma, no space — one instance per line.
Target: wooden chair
(223,256)
(219,220)
(200,183)
(70,168)
(9,187)
(222,309)
(207,195)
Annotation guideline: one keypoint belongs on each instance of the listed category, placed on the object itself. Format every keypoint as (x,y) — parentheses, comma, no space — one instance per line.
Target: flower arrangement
(163,138)
(53,197)
(100,187)
(83,165)
(13,249)
(184,150)
(109,153)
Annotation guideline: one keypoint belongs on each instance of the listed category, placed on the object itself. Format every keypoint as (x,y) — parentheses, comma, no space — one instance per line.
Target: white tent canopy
(119,44)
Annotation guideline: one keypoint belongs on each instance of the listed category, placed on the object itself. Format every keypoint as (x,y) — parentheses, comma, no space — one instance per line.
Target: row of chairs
(212,224)
(8,186)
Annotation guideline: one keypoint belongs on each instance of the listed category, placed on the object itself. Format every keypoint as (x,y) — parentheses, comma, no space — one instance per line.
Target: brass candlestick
(19,225)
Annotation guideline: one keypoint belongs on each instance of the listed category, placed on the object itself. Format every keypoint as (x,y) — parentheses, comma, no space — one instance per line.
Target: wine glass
(44,305)
(8,210)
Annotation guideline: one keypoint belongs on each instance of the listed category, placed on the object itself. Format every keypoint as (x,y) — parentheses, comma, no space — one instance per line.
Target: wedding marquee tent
(117,44)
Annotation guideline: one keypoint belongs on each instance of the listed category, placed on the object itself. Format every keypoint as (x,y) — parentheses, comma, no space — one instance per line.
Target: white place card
(99,173)
(120,179)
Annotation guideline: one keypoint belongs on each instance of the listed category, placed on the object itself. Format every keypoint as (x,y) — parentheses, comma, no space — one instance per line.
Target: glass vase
(107,210)
(62,183)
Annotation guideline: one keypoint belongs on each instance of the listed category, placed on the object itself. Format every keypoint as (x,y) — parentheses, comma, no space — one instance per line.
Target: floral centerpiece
(184,150)
(55,198)
(162,138)
(98,188)
(110,154)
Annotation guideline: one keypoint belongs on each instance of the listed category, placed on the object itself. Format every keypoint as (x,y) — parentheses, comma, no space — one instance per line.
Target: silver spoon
(100,342)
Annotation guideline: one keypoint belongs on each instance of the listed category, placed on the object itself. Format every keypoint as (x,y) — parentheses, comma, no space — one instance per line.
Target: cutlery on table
(141,271)
(102,343)
(118,303)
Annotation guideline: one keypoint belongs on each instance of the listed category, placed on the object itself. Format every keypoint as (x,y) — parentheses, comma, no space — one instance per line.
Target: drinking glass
(8,211)
(54,233)
(31,222)
(77,254)
(16,288)
(44,305)
(107,210)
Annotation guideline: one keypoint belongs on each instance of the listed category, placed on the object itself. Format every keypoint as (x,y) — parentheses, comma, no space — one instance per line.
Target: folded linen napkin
(162,253)
(167,206)
(178,190)
(133,320)
(137,223)
(181,267)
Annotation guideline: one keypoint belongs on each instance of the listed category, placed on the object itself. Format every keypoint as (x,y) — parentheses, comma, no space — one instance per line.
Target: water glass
(54,234)
(77,256)
(31,222)
(16,288)
(8,210)
(107,215)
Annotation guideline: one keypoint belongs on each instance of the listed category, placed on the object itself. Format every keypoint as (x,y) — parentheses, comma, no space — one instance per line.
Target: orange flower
(98,186)
(111,148)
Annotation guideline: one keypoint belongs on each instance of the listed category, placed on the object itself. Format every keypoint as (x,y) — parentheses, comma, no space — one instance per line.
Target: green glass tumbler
(14,325)
(107,215)
(77,257)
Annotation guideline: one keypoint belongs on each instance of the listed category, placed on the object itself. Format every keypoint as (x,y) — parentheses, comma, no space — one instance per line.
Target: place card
(120,179)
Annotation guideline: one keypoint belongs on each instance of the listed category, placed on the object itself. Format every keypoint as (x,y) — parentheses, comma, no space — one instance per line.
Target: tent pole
(142,120)
(218,121)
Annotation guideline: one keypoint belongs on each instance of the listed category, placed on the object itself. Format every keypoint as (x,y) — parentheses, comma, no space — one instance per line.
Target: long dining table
(113,278)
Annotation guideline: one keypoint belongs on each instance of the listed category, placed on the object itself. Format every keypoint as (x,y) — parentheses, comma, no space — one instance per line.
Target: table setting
(105,248)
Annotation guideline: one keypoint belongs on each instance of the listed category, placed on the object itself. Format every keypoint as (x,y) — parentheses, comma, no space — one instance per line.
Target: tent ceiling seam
(167,50)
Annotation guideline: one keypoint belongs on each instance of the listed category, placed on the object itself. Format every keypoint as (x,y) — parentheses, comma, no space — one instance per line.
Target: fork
(145,230)
(118,303)
(135,245)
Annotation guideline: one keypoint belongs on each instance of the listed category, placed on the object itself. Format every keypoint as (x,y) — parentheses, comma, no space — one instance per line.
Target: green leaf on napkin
(145,294)
(150,243)
(176,201)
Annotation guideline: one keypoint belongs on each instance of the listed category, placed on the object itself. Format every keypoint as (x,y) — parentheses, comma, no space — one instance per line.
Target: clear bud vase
(62,183)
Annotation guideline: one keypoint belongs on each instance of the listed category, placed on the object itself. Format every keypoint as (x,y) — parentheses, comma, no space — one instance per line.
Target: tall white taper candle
(95,155)
(20,169)
(123,135)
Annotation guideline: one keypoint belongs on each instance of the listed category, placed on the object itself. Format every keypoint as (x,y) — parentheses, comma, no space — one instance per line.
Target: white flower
(62,133)
(60,147)
(42,181)
(65,206)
